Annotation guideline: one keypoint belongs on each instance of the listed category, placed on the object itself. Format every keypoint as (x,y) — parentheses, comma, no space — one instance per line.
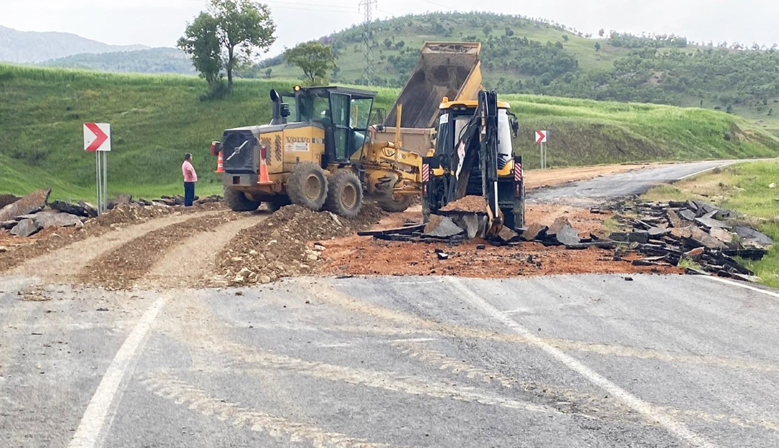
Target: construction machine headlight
(296,88)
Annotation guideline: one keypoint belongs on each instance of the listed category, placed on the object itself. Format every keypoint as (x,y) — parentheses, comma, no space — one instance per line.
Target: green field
(744,188)
(156,119)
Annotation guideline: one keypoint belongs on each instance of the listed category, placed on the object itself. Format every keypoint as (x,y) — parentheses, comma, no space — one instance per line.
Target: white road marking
(704,171)
(648,410)
(94,419)
(740,285)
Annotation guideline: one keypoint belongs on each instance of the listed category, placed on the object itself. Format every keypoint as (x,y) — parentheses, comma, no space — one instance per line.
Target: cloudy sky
(160,22)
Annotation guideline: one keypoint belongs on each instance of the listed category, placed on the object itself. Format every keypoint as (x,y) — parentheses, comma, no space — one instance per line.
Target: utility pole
(367,6)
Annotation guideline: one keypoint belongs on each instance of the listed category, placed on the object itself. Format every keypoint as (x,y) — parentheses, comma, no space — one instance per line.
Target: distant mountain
(32,47)
(154,60)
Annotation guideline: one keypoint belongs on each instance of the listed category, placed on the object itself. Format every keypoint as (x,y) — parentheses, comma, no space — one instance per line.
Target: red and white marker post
(97,139)
(542,137)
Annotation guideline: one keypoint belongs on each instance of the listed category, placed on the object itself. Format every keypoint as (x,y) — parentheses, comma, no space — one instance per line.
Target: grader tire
(238,202)
(395,203)
(344,195)
(307,186)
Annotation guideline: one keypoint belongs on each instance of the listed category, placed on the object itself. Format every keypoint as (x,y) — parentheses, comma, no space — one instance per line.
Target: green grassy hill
(156,119)
(521,55)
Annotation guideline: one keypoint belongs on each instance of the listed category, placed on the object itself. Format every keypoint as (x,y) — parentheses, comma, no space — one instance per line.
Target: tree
(388,43)
(242,29)
(245,29)
(313,58)
(597,46)
(268,73)
(601,32)
(565,37)
(201,41)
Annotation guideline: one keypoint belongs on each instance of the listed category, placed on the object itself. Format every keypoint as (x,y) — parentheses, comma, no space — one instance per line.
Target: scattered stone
(122,199)
(752,238)
(102,309)
(32,203)
(3,249)
(90,209)
(687,215)
(507,235)
(238,293)
(8,224)
(26,227)
(67,207)
(628,279)
(694,253)
(721,234)
(442,255)
(673,218)
(657,232)
(567,235)
(534,232)
(641,237)
(53,218)
(442,227)
(480,247)
(7,199)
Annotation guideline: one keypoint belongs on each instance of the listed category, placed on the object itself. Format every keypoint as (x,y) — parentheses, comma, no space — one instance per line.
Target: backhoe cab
(303,156)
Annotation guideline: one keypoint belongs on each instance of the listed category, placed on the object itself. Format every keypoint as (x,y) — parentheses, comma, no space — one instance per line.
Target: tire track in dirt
(193,261)
(127,263)
(64,264)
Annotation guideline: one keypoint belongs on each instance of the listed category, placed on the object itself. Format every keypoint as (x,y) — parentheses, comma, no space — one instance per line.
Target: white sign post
(542,137)
(97,139)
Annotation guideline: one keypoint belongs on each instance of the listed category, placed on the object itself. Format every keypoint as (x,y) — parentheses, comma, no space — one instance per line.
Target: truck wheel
(276,203)
(307,186)
(344,196)
(238,202)
(395,203)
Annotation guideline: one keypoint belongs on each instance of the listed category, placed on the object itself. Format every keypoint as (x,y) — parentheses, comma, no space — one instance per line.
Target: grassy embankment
(744,188)
(156,119)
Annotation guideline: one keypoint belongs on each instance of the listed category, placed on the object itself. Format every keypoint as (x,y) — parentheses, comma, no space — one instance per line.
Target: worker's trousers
(189,193)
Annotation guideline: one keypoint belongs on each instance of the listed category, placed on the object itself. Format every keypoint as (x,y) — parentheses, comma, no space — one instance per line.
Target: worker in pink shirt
(190,177)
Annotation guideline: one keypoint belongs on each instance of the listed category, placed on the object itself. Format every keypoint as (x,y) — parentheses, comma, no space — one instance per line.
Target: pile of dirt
(468,204)
(122,267)
(277,247)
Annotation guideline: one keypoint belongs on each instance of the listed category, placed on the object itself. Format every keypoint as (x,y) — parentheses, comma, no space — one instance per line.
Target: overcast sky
(160,22)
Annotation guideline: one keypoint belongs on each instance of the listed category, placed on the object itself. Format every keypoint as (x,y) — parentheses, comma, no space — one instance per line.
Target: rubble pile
(277,247)
(695,234)
(29,215)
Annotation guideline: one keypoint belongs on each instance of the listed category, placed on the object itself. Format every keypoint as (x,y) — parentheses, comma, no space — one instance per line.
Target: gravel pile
(277,247)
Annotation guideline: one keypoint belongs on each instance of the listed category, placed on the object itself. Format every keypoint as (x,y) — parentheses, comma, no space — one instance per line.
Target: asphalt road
(622,184)
(570,361)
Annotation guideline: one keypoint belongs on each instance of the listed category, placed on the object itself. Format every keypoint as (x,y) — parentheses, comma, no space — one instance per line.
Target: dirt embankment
(122,267)
(277,247)
(19,250)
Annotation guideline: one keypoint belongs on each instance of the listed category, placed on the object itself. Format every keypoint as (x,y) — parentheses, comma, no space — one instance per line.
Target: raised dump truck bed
(445,69)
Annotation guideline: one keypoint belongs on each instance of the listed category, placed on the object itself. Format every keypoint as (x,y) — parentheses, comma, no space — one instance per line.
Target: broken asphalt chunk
(31,203)
(442,228)
(631,237)
(534,232)
(26,227)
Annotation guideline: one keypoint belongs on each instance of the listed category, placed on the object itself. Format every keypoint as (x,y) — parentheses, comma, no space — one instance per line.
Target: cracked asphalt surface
(563,361)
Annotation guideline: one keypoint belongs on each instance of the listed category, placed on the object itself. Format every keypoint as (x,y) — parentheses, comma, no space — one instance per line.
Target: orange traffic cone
(220,167)
(264,178)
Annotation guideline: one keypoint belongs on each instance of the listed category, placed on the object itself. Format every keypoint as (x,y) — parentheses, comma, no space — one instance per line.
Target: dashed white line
(94,419)
(648,410)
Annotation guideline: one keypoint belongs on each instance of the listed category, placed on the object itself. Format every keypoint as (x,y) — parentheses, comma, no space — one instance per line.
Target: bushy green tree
(201,42)
(229,35)
(313,58)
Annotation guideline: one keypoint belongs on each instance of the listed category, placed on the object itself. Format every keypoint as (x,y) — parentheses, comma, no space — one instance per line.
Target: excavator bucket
(445,69)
